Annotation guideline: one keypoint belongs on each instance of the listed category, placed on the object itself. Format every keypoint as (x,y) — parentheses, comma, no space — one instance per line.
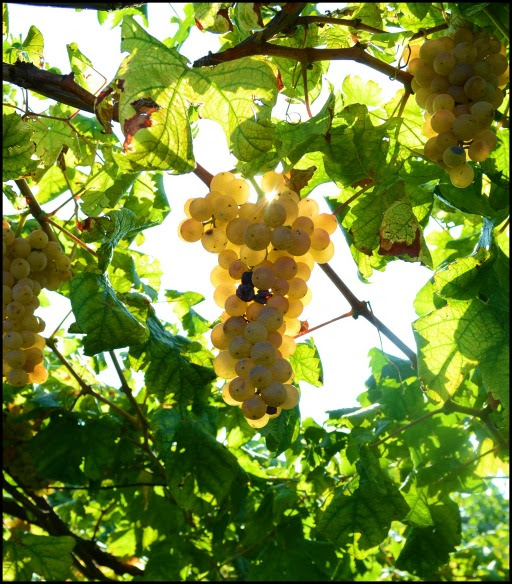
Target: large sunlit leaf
(17,148)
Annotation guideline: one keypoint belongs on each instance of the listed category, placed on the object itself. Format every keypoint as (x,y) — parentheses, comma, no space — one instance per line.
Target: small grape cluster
(458,81)
(266,251)
(29,264)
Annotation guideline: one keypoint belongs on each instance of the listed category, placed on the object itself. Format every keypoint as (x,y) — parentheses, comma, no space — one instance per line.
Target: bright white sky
(343,345)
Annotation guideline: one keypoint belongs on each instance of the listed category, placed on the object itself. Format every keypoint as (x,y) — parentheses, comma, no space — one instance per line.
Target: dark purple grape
(262,296)
(247,278)
(271,410)
(245,292)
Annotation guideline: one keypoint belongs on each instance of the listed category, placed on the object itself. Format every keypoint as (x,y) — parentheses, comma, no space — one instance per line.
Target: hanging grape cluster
(29,264)
(458,81)
(266,251)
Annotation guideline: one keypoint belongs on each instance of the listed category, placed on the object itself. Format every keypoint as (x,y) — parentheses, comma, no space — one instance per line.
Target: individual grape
(200,209)
(226,396)
(487,136)
(38,239)
(285,267)
(465,52)
(281,370)
(33,356)
(239,189)
(295,308)
(483,69)
(271,318)
(225,209)
(246,292)
(214,240)
(221,180)
(326,221)
(414,65)
(15,358)
(292,209)
(243,367)
(19,378)
(235,306)
(260,422)
(20,247)
(319,239)
(272,181)
(458,94)
(462,35)
(219,275)
(303,271)
(280,302)
(19,268)
(304,223)
(241,389)
(280,287)
(475,88)
(257,236)
(260,376)
(428,131)
(287,193)
(461,109)
(461,176)
(247,277)
(12,340)
(240,348)
(498,63)
(38,340)
(226,257)
(460,74)
(253,311)
(262,352)
(301,242)
(15,310)
(281,238)
(424,75)
(442,121)
(443,63)
(224,365)
(292,397)
(236,269)
(37,260)
(275,338)
(251,257)
(409,53)
(254,408)
(190,230)
(308,208)
(234,326)
(478,151)
(8,236)
(274,394)
(292,326)
(323,256)
(222,293)
(255,332)
(22,293)
(263,278)
(483,112)
(430,49)
(38,374)
(433,150)
(298,289)
(275,214)
(262,296)
(454,156)
(251,211)
(186,207)
(465,127)
(438,85)
(218,337)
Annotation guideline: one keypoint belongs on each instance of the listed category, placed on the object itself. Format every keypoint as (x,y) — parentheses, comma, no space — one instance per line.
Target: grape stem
(310,330)
(360,308)
(72,237)
(35,208)
(352,198)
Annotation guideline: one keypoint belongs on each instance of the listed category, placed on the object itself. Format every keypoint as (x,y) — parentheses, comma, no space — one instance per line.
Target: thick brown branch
(35,208)
(360,308)
(108,6)
(306,55)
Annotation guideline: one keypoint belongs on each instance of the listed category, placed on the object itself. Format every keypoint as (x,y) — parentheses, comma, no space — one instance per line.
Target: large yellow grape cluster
(29,264)
(458,81)
(266,251)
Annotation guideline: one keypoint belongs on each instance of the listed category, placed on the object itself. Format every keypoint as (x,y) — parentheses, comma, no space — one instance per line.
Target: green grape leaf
(453,340)
(17,148)
(153,111)
(280,433)
(400,234)
(428,548)
(192,322)
(147,198)
(84,73)
(369,511)
(51,136)
(306,363)
(47,556)
(238,95)
(356,90)
(33,47)
(199,454)
(171,375)
(164,424)
(104,189)
(101,316)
